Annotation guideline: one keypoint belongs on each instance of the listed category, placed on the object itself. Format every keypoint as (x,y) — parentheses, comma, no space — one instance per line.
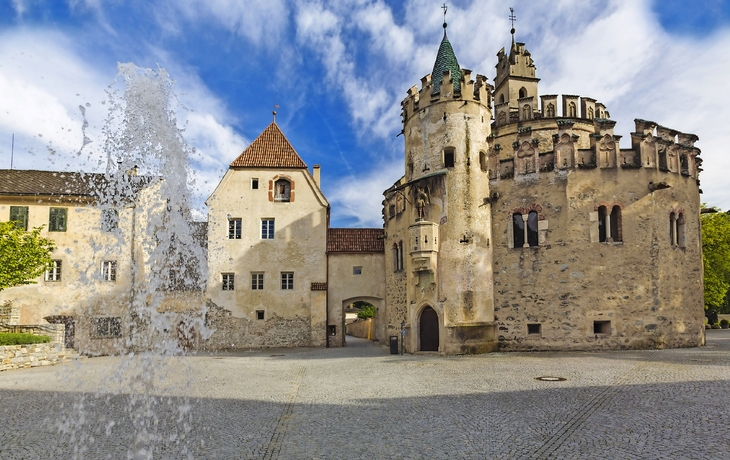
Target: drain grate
(551,379)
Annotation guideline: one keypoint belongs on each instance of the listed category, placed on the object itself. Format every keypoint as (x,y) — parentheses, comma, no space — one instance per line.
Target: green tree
(366,311)
(716,259)
(24,255)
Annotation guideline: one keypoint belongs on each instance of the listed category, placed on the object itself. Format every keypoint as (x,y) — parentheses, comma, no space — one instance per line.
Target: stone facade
(27,356)
(531,229)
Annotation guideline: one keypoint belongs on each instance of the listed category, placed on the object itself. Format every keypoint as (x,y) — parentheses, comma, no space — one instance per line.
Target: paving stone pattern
(361,402)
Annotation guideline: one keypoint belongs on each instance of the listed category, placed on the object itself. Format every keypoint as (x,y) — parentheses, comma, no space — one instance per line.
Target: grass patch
(9,338)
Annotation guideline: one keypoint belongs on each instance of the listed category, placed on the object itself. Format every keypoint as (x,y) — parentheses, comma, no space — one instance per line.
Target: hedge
(7,338)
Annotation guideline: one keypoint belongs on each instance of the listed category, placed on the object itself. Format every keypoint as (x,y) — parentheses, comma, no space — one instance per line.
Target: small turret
(515,81)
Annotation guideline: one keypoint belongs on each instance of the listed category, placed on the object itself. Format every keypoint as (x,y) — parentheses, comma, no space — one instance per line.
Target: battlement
(477,90)
(578,147)
(570,107)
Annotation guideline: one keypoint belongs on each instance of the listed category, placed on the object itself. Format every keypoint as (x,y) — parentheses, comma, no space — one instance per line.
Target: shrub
(716,326)
(724,322)
(7,338)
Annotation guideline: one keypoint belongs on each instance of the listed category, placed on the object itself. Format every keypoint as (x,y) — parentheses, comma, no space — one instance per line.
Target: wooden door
(429,332)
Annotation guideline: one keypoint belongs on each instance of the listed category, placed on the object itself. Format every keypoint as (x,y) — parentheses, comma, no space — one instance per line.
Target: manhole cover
(551,379)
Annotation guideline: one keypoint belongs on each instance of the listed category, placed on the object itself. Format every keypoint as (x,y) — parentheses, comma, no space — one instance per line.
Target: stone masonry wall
(26,356)
(649,289)
(230,332)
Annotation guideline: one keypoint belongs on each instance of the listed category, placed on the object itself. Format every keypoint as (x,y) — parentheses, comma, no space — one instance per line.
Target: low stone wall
(363,328)
(38,354)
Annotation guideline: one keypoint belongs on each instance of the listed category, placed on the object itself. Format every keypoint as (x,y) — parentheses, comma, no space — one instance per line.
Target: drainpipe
(327,280)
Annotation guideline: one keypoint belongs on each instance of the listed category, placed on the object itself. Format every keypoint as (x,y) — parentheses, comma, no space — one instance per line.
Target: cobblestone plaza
(362,402)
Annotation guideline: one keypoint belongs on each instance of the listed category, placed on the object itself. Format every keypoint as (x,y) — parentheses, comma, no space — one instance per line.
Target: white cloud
(261,21)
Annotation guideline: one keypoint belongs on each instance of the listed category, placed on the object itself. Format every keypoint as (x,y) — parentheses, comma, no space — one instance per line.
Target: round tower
(448,262)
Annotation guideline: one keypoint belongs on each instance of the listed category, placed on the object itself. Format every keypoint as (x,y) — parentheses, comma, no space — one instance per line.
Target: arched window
(681,235)
(449,157)
(282,190)
(483,161)
(572,110)
(518,230)
(501,98)
(400,255)
(395,257)
(672,229)
(616,224)
(590,113)
(526,109)
(550,111)
(532,228)
(602,234)
(524,230)
(523,92)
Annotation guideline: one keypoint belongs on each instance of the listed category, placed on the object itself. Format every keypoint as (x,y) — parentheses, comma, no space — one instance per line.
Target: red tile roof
(355,240)
(64,183)
(270,150)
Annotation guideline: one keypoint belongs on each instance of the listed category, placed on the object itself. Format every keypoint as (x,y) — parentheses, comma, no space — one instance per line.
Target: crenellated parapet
(574,144)
(550,106)
(475,90)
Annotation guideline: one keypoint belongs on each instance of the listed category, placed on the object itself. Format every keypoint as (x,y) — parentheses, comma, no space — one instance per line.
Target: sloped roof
(355,240)
(62,183)
(445,60)
(270,150)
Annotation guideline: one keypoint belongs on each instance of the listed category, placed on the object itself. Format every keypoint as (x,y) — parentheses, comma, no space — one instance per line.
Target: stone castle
(519,224)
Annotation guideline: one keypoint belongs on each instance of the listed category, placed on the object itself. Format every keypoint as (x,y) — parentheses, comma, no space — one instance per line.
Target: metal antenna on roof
(12,150)
(276,106)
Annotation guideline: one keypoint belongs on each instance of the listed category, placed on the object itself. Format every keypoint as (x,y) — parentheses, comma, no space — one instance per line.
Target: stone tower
(515,95)
(439,225)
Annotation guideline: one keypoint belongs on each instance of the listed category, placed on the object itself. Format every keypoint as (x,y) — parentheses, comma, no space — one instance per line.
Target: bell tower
(448,252)
(516,85)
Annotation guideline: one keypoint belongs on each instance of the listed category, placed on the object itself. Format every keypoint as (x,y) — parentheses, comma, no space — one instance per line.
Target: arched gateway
(429,330)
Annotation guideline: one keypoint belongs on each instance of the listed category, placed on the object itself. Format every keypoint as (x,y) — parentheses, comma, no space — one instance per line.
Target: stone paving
(361,402)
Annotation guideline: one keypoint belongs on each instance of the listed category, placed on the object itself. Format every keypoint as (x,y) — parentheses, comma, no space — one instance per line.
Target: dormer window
(282,190)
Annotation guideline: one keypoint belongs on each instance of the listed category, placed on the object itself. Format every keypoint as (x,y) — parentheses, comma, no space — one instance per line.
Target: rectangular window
(234,229)
(602,327)
(54,271)
(109,219)
(449,157)
(267,229)
(259,314)
(257,281)
(109,270)
(228,281)
(357,270)
(533,329)
(19,214)
(287,280)
(254,183)
(109,327)
(57,220)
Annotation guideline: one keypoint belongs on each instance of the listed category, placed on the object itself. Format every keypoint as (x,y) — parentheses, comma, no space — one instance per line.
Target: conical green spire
(445,60)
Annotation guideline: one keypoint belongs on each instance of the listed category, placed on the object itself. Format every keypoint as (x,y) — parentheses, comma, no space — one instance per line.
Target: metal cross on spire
(512,18)
(444,7)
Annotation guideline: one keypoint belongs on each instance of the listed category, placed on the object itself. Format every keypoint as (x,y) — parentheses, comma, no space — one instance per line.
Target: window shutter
(19,214)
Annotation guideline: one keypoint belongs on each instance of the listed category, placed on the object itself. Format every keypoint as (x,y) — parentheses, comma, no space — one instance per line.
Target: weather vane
(444,7)
(276,106)
(512,18)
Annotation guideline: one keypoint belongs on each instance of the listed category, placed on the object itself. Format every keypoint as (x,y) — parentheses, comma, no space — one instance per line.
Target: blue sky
(339,69)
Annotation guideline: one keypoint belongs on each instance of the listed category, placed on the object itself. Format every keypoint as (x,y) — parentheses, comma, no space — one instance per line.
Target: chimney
(315,173)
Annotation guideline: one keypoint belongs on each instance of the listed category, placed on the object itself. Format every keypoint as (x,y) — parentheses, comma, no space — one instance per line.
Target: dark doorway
(429,332)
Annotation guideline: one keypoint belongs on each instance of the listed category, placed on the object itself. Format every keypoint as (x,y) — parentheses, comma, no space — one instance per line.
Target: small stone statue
(422,200)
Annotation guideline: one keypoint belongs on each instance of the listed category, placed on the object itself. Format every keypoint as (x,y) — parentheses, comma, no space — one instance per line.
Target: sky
(338,70)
